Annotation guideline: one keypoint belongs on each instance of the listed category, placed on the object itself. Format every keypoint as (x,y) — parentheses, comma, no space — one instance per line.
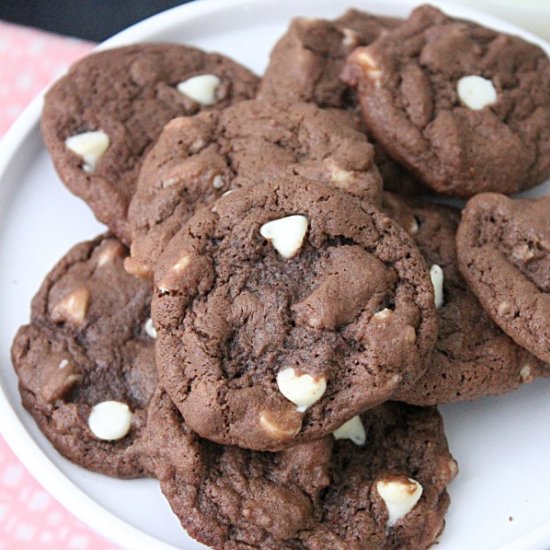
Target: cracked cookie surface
(465,108)
(504,253)
(306,63)
(129,94)
(198,159)
(472,357)
(88,343)
(313,496)
(286,309)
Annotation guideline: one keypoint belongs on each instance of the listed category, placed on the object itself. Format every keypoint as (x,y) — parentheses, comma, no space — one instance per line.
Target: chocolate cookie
(330,493)
(285,310)
(504,254)
(103,116)
(86,361)
(472,357)
(306,63)
(465,108)
(198,159)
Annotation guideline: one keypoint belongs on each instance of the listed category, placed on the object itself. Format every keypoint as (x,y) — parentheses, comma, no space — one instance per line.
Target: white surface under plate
(501,497)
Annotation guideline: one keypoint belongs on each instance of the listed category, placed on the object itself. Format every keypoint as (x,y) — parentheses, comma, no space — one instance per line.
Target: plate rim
(34,459)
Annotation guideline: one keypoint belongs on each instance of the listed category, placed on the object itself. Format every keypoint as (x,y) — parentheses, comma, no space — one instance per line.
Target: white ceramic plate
(501,497)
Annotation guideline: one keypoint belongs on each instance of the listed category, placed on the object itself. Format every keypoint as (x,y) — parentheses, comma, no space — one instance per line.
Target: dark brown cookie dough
(88,343)
(472,357)
(408,84)
(334,301)
(128,93)
(198,159)
(315,496)
(504,254)
(306,63)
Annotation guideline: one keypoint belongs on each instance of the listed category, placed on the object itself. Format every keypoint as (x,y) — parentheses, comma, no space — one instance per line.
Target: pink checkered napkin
(29,517)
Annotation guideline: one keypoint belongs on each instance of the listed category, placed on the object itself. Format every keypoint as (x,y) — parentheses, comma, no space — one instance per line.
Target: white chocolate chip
(400,496)
(476,92)
(168,181)
(228,192)
(351,38)
(523,252)
(504,308)
(110,420)
(286,234)
(150,329)
(110,251)
(436,275)
(525,374)
(136,268)
(197,146)
(413,227)
(73,307)
(383,314)
(302,389)
(338,176)
(174,273)
(352,429)
(181,264)
(90,146)
(453,468)
(276,427)
(217,182)
(370,66)
(201,88)
(59,382)
(395,379)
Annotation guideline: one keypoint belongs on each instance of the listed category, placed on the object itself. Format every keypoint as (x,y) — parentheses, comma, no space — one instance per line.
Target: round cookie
(472,357)
(330,493)
(101,118)
(504,255)
(306,63)
(465,108)
(198,159)
(285,310)
(89,343)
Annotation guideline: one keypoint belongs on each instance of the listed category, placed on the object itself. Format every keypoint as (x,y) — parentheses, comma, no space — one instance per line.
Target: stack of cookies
(280,303)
